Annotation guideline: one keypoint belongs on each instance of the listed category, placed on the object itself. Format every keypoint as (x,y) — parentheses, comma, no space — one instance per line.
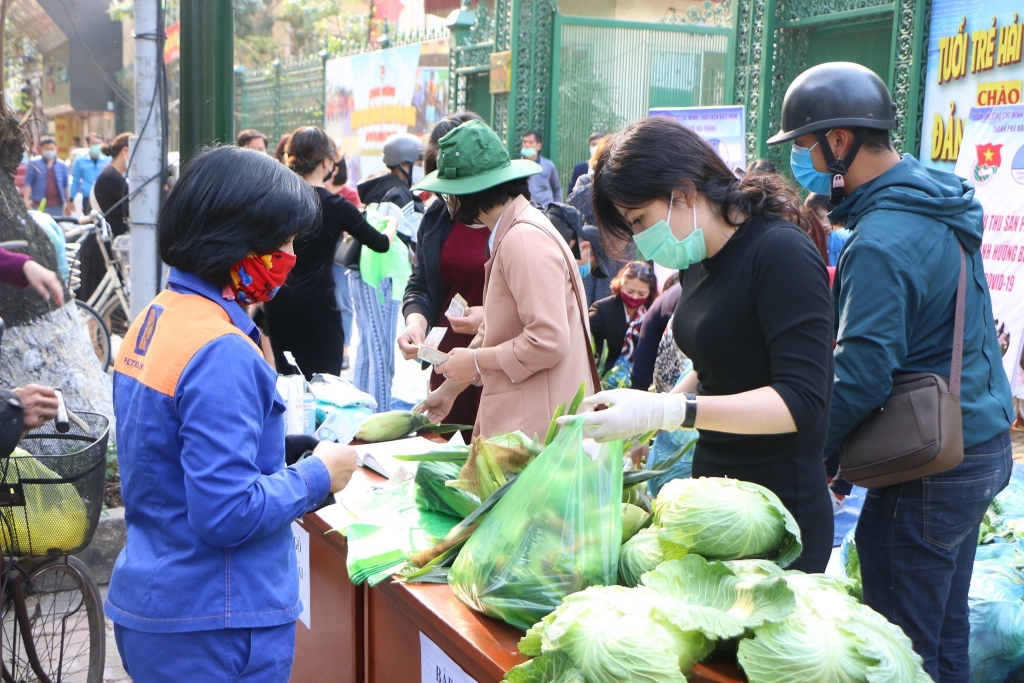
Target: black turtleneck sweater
(758,314)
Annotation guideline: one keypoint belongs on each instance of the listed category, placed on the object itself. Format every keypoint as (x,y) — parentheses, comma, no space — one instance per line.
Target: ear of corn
(395,424)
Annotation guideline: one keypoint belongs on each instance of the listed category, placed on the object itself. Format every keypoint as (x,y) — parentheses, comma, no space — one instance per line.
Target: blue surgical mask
(811,178)
(658,244)
(584,269)
(528,152)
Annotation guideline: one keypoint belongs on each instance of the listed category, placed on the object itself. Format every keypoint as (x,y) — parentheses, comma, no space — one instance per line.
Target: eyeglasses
(641,269)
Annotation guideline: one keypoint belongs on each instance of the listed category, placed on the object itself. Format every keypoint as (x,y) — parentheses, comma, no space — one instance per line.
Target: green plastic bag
(394,263)
(556,532)
(387,529)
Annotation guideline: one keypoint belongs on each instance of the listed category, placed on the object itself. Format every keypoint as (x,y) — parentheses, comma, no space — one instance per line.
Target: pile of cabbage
(705,574)
(996,596)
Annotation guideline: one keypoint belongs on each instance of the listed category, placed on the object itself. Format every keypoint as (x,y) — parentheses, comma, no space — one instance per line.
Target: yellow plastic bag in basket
(53,517)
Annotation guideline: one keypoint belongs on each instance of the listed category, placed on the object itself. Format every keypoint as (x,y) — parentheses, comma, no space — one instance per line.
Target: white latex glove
(631,413)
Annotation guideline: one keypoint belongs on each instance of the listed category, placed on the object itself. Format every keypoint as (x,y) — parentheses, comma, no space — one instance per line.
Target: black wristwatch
(691,410)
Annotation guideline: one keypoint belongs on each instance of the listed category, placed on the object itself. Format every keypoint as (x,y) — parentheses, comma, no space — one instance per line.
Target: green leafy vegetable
(830,637)
(432,494)
(633,520)
(725,519)
(639,555)
(554,667)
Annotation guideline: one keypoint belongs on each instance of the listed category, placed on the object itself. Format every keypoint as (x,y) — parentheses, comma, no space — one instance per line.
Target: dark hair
(810,223)
(818,202)
(442,128)
(340,172)
(248,135)
(671,282)
(208,225)
(877,141)
(307,149)
(95,136)
(653,158)
(282,147)
(762,166)
(537,135)
(47,140)
(596,135)
(117,144)
(472,205)
(637,270)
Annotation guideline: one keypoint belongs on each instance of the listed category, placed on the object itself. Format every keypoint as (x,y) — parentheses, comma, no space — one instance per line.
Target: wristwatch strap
(690,400)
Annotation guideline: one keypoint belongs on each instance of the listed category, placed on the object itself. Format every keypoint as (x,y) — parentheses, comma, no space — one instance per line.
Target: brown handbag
(919,429)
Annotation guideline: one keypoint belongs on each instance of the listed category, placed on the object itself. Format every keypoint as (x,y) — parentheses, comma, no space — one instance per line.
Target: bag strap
(958,326)
(594,375)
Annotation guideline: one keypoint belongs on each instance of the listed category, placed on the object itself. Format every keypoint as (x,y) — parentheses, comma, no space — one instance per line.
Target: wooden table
(364,635)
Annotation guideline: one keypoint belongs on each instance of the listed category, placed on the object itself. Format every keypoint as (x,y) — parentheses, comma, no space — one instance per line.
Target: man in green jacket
(894,301)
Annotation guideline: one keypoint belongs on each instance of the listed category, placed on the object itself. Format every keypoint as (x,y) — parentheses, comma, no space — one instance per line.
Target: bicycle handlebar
(77,220)
(12,245)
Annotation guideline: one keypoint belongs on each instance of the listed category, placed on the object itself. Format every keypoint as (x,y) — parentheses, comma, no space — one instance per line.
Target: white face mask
(417,174)
(593,150)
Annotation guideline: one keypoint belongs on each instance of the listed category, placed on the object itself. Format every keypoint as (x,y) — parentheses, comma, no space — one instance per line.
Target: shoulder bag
(919,429)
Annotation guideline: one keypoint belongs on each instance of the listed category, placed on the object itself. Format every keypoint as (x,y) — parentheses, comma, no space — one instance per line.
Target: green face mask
(95,149)
(658,244)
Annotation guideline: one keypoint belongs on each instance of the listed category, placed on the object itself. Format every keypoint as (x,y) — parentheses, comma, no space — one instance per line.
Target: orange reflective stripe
(165,337)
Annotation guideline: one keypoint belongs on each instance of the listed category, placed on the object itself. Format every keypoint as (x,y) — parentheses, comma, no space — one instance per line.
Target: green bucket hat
(470,159)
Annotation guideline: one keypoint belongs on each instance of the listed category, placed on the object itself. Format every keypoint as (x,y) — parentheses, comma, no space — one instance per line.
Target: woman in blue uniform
(206,587)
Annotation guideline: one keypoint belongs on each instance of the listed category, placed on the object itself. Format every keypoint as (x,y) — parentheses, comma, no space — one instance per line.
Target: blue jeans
(344,296)
(252,655)
(916,543)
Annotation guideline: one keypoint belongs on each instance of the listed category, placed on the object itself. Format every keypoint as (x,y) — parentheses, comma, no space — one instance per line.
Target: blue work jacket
(85,172)
(208,500)
(35,177)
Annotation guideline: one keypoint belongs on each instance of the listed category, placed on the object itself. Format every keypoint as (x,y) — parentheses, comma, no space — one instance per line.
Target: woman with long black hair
(304,318)
(757,323)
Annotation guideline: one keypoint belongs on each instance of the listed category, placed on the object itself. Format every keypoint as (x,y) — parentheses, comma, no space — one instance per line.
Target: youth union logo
(988,162)
(1017,166)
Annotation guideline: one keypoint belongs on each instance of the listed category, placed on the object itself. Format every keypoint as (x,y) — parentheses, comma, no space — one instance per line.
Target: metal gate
(283,97)
(606,73)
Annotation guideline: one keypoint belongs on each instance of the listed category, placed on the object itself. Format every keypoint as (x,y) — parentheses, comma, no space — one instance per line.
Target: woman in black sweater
(758,324)
(304,318)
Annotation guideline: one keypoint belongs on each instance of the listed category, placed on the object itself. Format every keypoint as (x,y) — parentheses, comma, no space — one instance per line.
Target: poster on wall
(992,158)
(373,95)
(723,127)
(974,60)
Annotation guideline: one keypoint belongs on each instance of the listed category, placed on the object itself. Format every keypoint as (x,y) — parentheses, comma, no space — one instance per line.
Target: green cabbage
(555,667)
(850,560)
(654,633)
(633,520)
(725,519)
(639,555)
(829,638)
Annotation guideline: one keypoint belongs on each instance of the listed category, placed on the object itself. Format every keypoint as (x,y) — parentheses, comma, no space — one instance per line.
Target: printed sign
(373,95)
(302,558)
(437,667)
(724,128)
(992,157)
(974,60)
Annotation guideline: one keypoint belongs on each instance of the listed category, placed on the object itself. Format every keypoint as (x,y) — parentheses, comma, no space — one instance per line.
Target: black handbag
(348,252)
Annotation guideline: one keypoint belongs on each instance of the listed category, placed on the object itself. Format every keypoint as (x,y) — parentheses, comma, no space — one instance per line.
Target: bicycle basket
(53,489)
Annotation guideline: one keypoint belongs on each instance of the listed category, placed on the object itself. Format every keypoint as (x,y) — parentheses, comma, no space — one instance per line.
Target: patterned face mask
(258,277)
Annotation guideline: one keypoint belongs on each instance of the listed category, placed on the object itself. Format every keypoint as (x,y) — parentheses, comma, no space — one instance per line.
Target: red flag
(988,155)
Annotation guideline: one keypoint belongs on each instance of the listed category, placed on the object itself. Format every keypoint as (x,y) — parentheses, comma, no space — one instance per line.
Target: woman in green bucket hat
(533,349)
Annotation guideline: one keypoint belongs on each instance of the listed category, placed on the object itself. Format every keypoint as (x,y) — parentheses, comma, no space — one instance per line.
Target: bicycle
(53,627)
(106,311)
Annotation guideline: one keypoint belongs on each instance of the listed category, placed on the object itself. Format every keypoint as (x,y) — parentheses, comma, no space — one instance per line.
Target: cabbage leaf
(725,519)
(829,638)
(639,555)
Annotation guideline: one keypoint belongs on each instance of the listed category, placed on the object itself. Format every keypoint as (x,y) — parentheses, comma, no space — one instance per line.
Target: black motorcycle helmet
(836,95)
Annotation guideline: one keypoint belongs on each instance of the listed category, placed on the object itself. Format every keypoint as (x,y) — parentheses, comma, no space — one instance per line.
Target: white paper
(380,457)
(302,558)
(437,667)
(434,337)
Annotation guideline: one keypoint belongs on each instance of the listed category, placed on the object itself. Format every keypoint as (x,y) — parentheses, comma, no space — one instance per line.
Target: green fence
(282,97)
(607,73)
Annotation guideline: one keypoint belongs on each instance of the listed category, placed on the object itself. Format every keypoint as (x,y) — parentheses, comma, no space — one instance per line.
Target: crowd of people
(779,332)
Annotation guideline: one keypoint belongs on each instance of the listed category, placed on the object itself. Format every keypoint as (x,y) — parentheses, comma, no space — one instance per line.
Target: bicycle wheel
(98,332)
(115,317)
(68,626)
